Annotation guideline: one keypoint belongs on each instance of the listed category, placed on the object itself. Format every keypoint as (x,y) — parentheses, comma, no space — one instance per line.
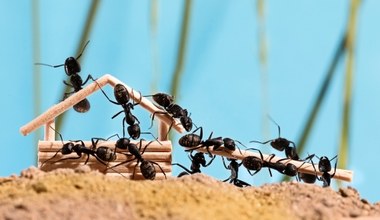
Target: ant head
(163,99)
(67,148)
(229,143)
(187,123)
(71,66)
(200,158)
(280,143)
(122,143)
(121,94)
(324,164)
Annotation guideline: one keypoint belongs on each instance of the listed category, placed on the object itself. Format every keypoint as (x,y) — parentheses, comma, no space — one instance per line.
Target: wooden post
(49,133)
(163,131)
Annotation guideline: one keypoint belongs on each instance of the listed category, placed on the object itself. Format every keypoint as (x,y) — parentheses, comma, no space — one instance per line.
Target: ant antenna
(278,126)
(44,64)
(83,49)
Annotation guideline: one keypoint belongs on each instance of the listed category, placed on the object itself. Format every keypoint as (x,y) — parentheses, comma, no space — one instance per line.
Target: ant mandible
(72,69)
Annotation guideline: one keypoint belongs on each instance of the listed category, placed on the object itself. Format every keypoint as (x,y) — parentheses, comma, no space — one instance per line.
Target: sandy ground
(81,194)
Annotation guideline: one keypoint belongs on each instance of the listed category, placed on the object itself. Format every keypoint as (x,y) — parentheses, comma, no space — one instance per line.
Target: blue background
(221,84)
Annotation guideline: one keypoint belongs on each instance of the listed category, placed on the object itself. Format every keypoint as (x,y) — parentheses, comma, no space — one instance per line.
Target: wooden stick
(163,130)
(64,105)
(345,175)
(153,156)
(49,132)
(53,146)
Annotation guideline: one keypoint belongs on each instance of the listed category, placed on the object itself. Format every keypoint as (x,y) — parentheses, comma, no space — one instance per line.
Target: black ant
(102,154)
(167,103)
(195,141)
(197,161)
(282,144)
(72,69)
(234,168)
(324,166)
(146,167)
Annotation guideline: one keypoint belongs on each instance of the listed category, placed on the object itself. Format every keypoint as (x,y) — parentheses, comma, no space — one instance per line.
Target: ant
(167,103)
(324,166)
(234,167)
(123,98)
(147,167)
(197,161)
(72,69)
(102,154)
(194,141)
(282,144)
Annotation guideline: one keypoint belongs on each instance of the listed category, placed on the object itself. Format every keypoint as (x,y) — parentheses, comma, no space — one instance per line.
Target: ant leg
(104,93)
(88,77)
(159,167)
(154,114)
(261,155)
(265,142)
(117,114)
(336,162)
(43,163)
(67,84)
(180,165)
(210,161)
(137,103)
(224,163)
(121,163)
(68,158)
(147,132)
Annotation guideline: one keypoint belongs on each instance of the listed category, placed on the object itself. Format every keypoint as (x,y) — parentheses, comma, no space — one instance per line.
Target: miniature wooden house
(47,148)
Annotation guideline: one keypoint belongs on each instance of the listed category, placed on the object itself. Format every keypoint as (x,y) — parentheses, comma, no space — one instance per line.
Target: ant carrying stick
(166,102)
(72,69)
(282,144)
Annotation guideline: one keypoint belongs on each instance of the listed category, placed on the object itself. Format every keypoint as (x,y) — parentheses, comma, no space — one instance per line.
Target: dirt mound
(81,194)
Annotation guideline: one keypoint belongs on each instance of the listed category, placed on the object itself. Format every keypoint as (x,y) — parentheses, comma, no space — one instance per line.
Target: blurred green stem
(83,39)
(181,49)
(350,47)
(263,58)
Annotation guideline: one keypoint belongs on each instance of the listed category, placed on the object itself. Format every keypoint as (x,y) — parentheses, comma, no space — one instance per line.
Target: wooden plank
(49,134)
(154,156)
(125,168)
(54,146)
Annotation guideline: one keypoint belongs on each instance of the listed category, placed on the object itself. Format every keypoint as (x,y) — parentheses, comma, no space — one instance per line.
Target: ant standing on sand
(234,168)
(197,161)
(72,69)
